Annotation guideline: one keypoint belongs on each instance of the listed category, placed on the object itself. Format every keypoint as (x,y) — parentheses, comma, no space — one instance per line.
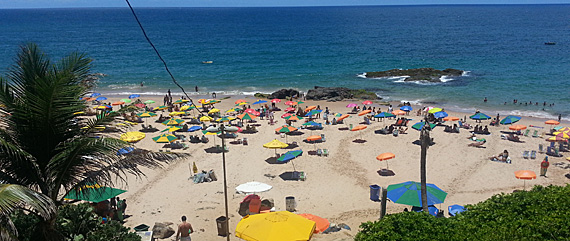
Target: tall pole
(222,130)
(425,141)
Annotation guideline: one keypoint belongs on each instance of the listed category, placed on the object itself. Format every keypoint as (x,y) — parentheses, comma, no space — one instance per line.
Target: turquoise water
(501,48)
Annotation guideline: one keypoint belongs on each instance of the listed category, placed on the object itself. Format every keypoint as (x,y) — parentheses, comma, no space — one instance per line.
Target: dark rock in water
(338,94)
(421,74)
(283,94)
(162,230)
(260,95)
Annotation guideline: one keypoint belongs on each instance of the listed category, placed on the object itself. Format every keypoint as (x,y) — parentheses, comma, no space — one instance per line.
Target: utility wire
(160,57)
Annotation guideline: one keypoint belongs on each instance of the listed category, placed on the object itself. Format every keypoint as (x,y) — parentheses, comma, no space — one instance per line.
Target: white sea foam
(363,75)
(445,78)
(465,73)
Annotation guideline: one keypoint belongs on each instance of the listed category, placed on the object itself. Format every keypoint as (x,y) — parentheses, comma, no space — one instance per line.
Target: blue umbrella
(313,112)
(94,95)
(290,155)
(125,150)
(134,96)
(409,193)
(432,210)
(440,114)
(480,116)
(259,102)
(510,120)
(194,128)
(101,98)
(420,125)
(406,108)
(455,209)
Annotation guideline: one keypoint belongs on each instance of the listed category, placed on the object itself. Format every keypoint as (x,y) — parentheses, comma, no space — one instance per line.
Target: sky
(248,3)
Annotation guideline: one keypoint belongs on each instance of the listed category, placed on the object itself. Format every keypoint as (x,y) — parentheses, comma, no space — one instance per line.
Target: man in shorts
(184,230)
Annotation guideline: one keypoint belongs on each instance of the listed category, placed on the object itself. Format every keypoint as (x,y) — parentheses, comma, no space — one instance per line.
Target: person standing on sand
(196,88)
(559,117)
(184,230)
(544,166)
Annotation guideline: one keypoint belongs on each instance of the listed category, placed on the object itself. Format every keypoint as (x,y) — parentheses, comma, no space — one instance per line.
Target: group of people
(112,209)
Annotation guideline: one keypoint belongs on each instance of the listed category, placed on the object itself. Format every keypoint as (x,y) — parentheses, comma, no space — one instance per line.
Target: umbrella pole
(387,168)
(225,179)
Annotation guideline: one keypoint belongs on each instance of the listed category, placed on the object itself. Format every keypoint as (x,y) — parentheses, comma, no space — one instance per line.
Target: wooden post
(383,203)
(425,142)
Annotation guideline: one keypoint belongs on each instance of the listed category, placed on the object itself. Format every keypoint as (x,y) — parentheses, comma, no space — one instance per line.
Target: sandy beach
(337,186)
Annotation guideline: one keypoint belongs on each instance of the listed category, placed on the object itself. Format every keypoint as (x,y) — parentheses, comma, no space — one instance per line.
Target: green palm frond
(14,196)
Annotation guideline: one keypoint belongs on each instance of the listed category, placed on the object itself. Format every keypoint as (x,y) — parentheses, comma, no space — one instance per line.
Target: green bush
(540,214)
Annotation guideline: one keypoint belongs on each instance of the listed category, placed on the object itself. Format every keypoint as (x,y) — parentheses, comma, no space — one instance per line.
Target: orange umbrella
(358,128)
(314,139)
(525,175)
(343,117)
(312,107)
(89,99)
(322,223)
(364,112)
(517,127)
(246,116)
(119,103)
(398,112)
(551,122)
(451,118)
(239,101)
(385,157)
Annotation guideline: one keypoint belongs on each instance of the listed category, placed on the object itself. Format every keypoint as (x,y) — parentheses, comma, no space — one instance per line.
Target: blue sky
(246,3)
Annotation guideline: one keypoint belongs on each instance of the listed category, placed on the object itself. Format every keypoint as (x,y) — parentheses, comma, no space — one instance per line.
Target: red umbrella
(275,100)
(291,103)
(140,105)
(289,109)
(367,102)
(285,115)
(249,111)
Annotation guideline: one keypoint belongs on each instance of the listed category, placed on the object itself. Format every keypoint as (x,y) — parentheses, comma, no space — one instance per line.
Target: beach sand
(337,186)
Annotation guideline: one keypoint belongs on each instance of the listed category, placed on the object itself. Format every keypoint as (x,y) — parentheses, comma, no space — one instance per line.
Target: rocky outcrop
(326,93)
(283,94)
(162,230)
(421,74)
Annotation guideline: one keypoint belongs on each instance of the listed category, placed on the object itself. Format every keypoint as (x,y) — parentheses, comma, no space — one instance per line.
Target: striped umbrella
(164,138)
(409,193)
(173,122)
(510,120)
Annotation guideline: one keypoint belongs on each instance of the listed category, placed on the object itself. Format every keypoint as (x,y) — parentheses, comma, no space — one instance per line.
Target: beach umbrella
(101,98)
(118,103)
(126,100)
(165,138)
(552,122)
(293,118)
(176,113)
(259,102)
(321,223)
(125,150)
(239,101)
(172,128)
(253,187)
(313,112)
(385,157)
(510,120)
(94,193)
(480,116)
(409,193)
(242,103)
(342,117)
(312,107)
(187,107)
(102,107)
(288,109)
(275,144)
(364,112)
(300,102)
(231,110)
(225,119)
(88,99)
(286,129)
(440,114)
(564,129)
(517,127)
(433,110)
(214,110)
(205,118)
(280,225)
(285,115)
(455,209)
(525,175)
(249,111)
(406,108)
(246,116)
(314,139)
(418,126)
(359,128)
(290,155)
(162,107)
(149,102)
(290,102)
(181,101)
(559,137)
(367,102)
(451,118)
(173,122)
(134,96)
(384,115)
(275,100)
(95,95)
(351,105)
(132,136)
(398,112)
(146,114)
(312,123)
(140,105)
(194,128)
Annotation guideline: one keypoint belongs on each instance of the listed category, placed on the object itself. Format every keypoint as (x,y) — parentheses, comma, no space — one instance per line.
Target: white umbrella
(253,187)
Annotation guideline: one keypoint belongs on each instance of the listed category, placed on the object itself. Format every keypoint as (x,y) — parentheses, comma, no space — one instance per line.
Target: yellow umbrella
(206,118)
(275,144)
(175,113)
(186,107)
(242,103)
(433,110)
(275,226)
(231,110)
(213,111)
(133,136)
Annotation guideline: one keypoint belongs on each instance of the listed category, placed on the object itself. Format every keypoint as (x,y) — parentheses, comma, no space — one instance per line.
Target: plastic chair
(525,154)
(325,152)
(319,152)
(540,148)
(254,206)
(533,154)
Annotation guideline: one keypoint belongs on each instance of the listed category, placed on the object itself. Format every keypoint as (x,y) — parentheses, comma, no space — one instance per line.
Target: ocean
(500,47)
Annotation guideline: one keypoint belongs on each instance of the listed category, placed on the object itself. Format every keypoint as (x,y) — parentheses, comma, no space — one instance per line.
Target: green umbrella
(126,100)
(165,138)
(146,114)
(172,128)
(149,102)
(173,122)
(510,120)
(409,193)
(94,193)
(418,126)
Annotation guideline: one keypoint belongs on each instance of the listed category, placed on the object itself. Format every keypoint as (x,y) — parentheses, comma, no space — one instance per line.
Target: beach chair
(323,139)
(525,154)
(535,134)
(533,154)
(319,152)
(254,206)
(526,132)
(325,152)
(540,148)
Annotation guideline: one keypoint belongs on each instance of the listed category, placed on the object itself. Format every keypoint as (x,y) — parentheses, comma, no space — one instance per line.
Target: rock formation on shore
(421,74)
(283,94)
(338,94)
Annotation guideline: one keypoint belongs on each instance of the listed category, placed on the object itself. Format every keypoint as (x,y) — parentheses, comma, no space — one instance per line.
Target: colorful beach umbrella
(479,116)
(313,112)
(281,225)
(126,100)
(146,114)
(206,118)
(290,155)
(525,175)
(406,108)
(367,102)
(172,128)
(242,103)
(364,112)
(451,118)
(101,98)
(231,110)
(384,115)
(239,101)
(94,193)
(286,129)
(194,128)
(253,187)
(559,137)
(342,117)
(102,107)
(149,102)
(225,119)
(385,157)
(275,100)
(246,116)
(259,102)
(351,105)
(214,110)
(187,107)
(455,209)
(275,144)
(440,114)
(321,223)
(290,102)
(181,101)
(118,103)
(420,125)
(310,108)
(289,109)
(312,123)
(517,127)
(177,113)
(293,118)
(433,110)
(134,96)
(398,112)
(409,193)
(95,95)
(552,122)
(132,136)
(165,138)
(162,107)
(359,128)
(173,122)
(510,120)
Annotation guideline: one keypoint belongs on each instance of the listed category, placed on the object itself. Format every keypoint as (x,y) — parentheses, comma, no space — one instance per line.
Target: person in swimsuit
(184,230)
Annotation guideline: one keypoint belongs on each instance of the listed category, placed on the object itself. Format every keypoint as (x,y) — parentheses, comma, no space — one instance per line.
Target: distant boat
(207,62)
(550,43)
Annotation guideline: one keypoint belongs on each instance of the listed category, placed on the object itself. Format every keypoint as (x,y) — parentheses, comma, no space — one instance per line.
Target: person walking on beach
(544,166)
(184,230)
(196,88)
(559,117)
